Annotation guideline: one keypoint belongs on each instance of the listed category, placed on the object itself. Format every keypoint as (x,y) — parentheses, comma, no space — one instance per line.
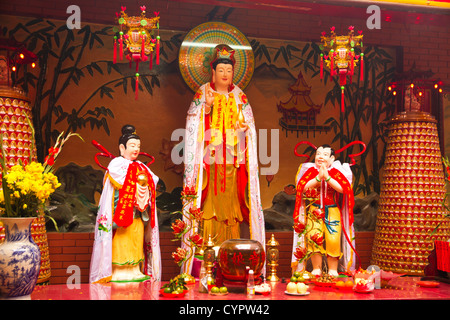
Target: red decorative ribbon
(331,67)
(321,67)
(142,47)
(157,50)
(309,174)
(361,66)
(115,50)
(121,47)
(123,215)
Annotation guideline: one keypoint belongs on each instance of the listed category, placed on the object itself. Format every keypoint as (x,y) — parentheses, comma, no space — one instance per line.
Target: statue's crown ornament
(225,54)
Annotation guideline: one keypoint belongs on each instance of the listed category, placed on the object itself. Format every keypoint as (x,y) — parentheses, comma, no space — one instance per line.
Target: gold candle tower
(412,192)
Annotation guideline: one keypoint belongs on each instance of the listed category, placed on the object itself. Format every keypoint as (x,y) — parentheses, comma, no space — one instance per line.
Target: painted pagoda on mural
(299,112)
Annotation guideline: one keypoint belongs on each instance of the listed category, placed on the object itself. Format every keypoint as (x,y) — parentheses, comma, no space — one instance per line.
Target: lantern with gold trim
(341,58)
(137,39)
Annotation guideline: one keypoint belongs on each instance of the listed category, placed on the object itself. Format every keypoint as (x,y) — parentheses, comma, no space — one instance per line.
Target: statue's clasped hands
(323,172)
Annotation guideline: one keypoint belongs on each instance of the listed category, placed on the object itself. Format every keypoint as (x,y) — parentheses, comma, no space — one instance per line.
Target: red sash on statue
(308,175)
(123,215)
(347,190)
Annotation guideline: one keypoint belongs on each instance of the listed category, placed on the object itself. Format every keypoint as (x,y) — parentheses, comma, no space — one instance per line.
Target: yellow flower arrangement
(26,187)
(29,187)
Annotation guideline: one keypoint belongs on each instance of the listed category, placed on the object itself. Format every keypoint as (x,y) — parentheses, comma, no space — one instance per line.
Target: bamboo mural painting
(73,59)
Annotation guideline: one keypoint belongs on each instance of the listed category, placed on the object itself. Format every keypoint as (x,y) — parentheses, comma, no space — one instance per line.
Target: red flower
(300,253)
(196,239)
(299,227)
(50,159)
(317,238)
(178,227)
(188,191)
(196,213)
(319,213)
(179,256)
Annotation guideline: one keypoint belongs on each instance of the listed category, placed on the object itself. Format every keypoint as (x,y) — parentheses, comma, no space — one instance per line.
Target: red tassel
(151,61)
(342,77)
(352,64)
(121,47)
(137,87)
(143,48)
(331,67)
(157,50)
(361,66)
(321,66)
(342,100)
(115,50)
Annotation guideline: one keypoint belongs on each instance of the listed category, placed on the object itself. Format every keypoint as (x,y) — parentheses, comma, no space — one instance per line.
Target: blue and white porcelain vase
(20,259)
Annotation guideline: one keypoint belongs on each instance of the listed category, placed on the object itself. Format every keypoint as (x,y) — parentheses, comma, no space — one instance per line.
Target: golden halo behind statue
(197,52)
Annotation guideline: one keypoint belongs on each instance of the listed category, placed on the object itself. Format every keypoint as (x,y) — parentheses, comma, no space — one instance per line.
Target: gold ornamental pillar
(412,191)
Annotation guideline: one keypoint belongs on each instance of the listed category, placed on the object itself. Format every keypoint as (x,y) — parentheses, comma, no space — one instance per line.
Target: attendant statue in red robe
(329,220)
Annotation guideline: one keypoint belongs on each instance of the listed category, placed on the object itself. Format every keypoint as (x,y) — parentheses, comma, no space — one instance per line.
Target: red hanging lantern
(135,39)
(341,59)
